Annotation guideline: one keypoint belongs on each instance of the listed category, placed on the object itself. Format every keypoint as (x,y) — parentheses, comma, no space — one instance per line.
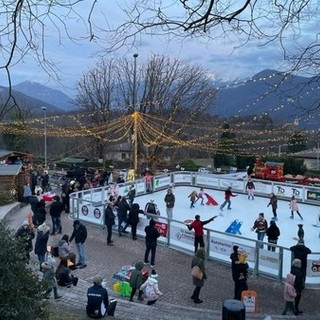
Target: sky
(74,58)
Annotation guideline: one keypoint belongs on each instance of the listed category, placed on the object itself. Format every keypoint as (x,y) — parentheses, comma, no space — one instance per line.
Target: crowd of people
(128,211)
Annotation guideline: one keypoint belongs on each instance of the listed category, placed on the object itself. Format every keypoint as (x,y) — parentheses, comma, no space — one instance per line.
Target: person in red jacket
(227,195)
(197,225)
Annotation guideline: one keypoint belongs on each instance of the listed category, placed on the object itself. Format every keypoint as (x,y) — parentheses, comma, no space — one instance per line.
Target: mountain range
(286,98)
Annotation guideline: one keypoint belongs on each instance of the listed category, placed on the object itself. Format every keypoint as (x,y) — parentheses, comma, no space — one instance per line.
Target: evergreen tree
(21,291)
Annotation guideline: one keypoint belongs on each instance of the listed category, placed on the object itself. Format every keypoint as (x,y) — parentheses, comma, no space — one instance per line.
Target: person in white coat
(151,288)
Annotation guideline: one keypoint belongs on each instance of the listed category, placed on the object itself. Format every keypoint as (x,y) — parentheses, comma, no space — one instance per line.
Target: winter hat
(154,274)
(76,222)
(25,223)
(296,263)
(152,201)
(97,280)
(44,228)
(301,242)
(235,249)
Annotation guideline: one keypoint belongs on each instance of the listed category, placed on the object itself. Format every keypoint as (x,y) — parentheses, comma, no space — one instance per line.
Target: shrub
(21,291)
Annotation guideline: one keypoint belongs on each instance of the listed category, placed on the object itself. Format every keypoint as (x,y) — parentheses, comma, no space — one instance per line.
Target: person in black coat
(123,209)
(26,234)
(234,256)
(152,234)
(64,276)
(40,247)
(300,251)
(134,219)
(98,300)
(40,216)
(131,194)
(79,235)
(109,219)
(273,233)
(56,209)
(298,282)
(241,276)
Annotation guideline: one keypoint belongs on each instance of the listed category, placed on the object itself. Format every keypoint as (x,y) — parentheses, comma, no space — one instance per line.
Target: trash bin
(233,310)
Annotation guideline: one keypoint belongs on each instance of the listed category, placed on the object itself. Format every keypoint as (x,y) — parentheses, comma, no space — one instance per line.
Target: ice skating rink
(244,210)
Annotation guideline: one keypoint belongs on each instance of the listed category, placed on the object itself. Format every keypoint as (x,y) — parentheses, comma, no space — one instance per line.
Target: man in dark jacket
(79,235)
(56,209)
(123,209)
(169,199)
(134,219)
(300,251)
(152,234)
(298,282)
(109,220)
(98,300)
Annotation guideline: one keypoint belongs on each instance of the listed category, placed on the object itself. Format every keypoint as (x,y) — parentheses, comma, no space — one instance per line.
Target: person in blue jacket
(97,300)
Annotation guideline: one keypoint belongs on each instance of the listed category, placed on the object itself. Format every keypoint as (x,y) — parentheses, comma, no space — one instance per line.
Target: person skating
(273,233)
(250,187)
(193,197)
(197,225)
(151,208)
(131,194)
(201,196)
(260,226)
(227,198)
(169,199)
(273,202)
(293,205)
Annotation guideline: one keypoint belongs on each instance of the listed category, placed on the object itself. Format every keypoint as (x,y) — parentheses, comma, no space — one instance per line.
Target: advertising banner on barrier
(235,184)
(288,191)
(90,213)
(313,195)
(161,182)
(263,187)
(225,247)
(207,180)
(269,259)
(182,235)
(182,178)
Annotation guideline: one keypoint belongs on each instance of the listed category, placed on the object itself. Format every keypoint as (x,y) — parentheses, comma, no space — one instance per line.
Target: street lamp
(45,135)
(134,94)
(134,101)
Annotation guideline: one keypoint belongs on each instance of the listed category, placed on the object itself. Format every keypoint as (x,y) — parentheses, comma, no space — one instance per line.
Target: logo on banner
(162,228)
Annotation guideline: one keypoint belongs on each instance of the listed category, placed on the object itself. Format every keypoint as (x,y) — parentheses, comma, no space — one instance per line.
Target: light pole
(45,135)
(134,102)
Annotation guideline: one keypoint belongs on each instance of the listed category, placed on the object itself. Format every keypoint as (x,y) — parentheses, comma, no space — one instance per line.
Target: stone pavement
(175,281)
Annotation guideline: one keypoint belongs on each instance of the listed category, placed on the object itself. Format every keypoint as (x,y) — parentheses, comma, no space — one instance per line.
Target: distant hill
(29,103)
(51,96)
(283,98)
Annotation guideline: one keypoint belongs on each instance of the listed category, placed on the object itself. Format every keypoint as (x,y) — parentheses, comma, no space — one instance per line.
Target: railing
(89,206)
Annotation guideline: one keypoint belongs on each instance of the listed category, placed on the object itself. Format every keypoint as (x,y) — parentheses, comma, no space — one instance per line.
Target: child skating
(201,196)
(227,198)
(293,205)
(193,197)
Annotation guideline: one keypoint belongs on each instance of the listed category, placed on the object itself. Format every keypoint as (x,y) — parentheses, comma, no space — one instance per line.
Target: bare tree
(25,26)
(166,89)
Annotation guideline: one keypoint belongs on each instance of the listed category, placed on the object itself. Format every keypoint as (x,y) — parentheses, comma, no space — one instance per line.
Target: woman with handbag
(198,274)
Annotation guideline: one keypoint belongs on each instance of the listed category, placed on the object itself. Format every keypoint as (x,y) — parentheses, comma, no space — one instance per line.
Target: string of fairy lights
(246,137)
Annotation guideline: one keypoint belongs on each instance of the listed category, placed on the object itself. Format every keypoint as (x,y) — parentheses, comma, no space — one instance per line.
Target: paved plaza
(175,281)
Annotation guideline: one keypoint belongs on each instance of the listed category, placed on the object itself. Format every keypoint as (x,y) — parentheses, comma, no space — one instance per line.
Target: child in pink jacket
(289,294)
